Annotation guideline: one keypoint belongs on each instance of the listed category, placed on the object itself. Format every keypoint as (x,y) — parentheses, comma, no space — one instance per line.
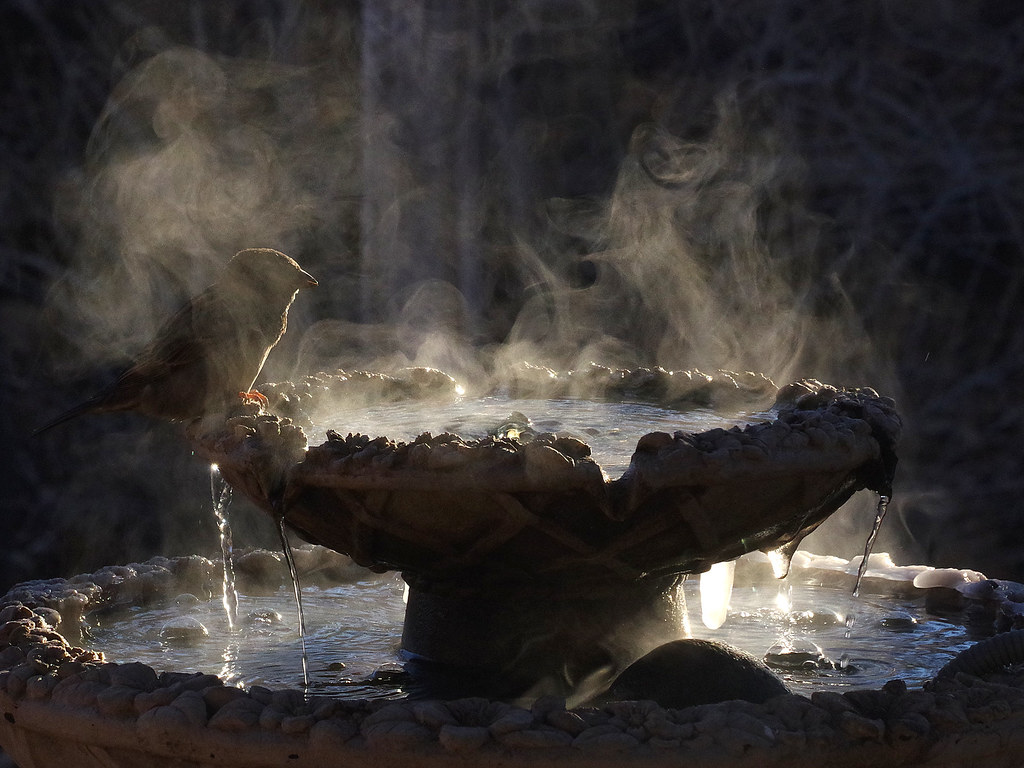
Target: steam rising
(699,254)
(467,201)
(194,158)
(694,267)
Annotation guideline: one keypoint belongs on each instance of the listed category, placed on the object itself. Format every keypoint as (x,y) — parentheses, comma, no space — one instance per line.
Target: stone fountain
(531,574)
(529,570)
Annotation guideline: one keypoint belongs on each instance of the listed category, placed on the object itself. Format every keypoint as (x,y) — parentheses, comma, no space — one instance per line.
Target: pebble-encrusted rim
(366,497)
(55,697)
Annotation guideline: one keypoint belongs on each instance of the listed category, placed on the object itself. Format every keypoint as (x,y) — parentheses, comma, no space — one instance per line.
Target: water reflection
(354,633)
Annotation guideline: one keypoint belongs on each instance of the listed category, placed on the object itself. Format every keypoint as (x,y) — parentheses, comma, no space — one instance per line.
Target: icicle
(782,557)
(220,493)
(297,590)
(883,506)
(715,591)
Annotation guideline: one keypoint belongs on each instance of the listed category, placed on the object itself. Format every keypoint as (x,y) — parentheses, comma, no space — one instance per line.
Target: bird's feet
(254,398)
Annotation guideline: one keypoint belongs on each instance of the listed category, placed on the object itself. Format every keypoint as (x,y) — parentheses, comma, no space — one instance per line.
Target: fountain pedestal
(530,639)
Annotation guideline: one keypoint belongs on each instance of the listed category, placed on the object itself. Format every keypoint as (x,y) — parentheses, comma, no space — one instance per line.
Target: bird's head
(268,271)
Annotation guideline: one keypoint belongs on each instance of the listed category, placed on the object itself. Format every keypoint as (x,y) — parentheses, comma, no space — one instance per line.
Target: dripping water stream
(220,495)
(880,510)
(297,590)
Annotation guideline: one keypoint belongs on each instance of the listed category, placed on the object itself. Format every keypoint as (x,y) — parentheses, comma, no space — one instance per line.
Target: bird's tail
(87,407)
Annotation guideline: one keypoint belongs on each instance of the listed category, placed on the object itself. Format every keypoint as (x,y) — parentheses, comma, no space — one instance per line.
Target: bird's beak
(310,280)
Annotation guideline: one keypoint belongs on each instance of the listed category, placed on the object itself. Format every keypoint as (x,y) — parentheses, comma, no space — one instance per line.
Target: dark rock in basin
(685,673)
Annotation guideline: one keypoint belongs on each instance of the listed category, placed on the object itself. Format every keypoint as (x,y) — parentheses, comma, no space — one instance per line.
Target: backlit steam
(471,190)
(696,267)
(194,158)
(699,254)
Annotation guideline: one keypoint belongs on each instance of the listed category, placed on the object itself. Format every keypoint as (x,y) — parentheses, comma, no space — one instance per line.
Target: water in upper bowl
(611,429)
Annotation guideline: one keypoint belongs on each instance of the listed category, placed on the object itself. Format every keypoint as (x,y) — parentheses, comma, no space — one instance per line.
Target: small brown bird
(213,348)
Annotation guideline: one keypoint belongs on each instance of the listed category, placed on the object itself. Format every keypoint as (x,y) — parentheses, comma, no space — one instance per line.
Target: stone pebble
(462,738)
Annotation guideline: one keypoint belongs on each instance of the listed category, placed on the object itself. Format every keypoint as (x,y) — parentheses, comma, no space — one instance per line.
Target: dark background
(477,170)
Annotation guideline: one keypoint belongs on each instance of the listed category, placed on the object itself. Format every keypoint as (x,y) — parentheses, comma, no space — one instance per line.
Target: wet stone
(860,727)
(513,720)
(192,706)
(218,697)
(289,701)
(69,668)
(462,738)
(948,716)
(117,701)
(159,697)
(912,725)
(476,711)
(262,694)
(158,719)
(77,692)
(193,681)
(271,718)
(134,675)
(831,702)
(40,686)
(433,714)
(570,722)
(18,678)
(239,714)
(665,729)
(297,724)
(332,732)
(989,713)
(326,709)
(14,612)
(50,617)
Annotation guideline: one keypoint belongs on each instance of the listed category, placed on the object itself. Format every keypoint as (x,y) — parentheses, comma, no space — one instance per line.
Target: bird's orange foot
(254,398)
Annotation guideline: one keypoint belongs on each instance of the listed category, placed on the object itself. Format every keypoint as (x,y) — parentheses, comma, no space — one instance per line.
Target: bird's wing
(182,345)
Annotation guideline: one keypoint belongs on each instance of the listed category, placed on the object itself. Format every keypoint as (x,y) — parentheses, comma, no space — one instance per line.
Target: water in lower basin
(818,638)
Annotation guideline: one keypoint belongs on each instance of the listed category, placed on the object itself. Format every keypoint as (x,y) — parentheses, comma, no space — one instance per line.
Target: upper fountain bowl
(504,509)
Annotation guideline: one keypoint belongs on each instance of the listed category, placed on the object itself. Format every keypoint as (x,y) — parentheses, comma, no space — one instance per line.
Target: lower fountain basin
(493,528)
(59,702)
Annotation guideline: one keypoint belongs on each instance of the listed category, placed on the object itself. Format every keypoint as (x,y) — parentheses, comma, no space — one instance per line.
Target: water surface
(354,632)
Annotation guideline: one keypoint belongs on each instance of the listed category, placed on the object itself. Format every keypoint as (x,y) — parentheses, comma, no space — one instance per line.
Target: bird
(212,349)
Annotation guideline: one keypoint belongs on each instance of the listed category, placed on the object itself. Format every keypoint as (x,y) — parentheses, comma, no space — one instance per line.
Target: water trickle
(880,510)
(784,599)
(684,612)
(220,495)
(849,622)
(297,590)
